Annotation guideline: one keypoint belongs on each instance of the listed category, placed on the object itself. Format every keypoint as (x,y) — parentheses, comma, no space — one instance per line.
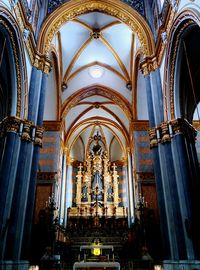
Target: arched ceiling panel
(98,20)
(109,79)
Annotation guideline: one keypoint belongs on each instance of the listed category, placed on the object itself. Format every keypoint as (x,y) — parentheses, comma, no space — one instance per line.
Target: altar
(97,265)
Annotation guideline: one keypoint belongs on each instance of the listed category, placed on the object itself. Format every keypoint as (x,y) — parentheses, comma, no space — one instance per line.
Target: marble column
(68,190)
(63,191)
(20,198)
(130,188)
(10,155)
(34,169)
(187,184)
(153,135)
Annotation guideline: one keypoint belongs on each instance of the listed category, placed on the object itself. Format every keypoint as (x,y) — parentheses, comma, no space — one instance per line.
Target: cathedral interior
(99,134)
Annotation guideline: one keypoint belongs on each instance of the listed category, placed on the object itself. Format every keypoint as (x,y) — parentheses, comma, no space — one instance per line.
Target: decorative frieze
(47,176)
(165,132)
(146,176)
(52,125)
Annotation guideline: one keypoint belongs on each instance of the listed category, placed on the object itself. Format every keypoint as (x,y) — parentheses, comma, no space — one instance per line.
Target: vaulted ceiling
(96,69)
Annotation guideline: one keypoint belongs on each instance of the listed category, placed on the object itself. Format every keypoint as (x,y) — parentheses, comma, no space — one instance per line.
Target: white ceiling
(96,39)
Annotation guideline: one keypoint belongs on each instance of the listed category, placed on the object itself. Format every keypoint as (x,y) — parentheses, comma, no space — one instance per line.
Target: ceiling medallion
(96,72)
(96,33)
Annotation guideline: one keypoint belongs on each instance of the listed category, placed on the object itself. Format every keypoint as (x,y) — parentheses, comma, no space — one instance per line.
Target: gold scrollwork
(117,9)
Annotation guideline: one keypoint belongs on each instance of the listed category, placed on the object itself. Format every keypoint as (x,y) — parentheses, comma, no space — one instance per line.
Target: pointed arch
(99,90)
(16,60)
(115,8)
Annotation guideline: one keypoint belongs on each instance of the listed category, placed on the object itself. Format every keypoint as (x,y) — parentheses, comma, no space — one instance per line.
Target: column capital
(165,132)
(39,135)
(182,126)
(10,124)
(23,127)
(153,138)
(148,65)
(42,63)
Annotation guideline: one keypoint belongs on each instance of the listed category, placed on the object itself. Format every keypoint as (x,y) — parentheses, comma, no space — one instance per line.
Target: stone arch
(97,90)
(16,59)
(182,25)
(116,8)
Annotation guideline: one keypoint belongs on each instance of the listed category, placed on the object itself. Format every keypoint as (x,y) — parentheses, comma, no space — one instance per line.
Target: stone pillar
(130,188)
(78,186)
(20,196)
(10,130)
(188,184)
(63,190)
(34,169)
(115,186)
(68,190)
(156,116)
(31,136)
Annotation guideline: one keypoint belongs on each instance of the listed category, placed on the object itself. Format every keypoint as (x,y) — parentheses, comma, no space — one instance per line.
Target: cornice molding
(140,125)
(53,125)
(146,176)
(47,176)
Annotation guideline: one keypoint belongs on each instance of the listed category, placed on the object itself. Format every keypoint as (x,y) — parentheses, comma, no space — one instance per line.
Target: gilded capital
(153,137)
(10,124)
(148,65)
(39,135)
(42,63)
(27,131)
(164,130)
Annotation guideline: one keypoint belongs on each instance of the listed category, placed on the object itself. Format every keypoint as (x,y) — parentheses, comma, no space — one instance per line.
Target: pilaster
(177,136)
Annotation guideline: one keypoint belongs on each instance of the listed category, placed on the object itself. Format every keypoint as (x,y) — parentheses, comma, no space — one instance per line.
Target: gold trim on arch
(115,8)
(183,21)
(75,121)
(95,124)
(98,90)
(116,56)
(96,120)
(75,57)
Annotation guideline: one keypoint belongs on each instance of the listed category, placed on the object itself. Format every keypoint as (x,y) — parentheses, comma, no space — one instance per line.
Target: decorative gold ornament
(153,138)
(10,124)
(149,65)
(27,131)
(38,136)
(121,11)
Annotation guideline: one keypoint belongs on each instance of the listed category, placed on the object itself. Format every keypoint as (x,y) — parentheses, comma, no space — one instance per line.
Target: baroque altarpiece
(97,184)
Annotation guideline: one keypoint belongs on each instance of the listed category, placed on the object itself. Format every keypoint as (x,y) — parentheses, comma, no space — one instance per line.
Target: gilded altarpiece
(97,185)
